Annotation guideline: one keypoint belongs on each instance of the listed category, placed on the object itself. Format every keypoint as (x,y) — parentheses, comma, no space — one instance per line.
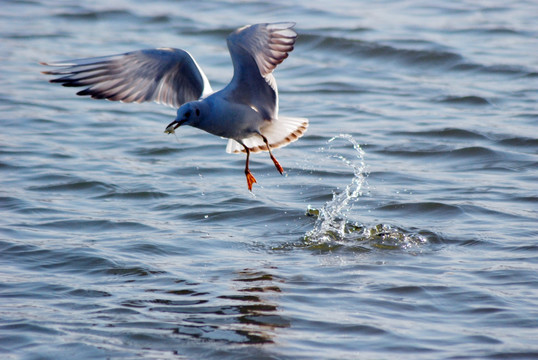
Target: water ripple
(87,225)
(95,14)
(368,49)
(75,186)
(464,100)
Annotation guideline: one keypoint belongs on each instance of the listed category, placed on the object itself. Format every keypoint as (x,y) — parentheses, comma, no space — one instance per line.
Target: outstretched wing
(167,76)
(256,50)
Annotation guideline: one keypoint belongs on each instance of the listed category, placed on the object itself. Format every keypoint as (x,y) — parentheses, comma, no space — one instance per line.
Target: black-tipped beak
(170,129)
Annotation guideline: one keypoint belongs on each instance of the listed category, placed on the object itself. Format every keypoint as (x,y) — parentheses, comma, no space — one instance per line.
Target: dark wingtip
(84,92)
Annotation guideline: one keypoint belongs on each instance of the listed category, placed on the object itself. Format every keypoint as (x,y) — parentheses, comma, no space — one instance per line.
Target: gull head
(188,113)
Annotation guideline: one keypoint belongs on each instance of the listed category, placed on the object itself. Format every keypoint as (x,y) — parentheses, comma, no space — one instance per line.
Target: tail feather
(279,132)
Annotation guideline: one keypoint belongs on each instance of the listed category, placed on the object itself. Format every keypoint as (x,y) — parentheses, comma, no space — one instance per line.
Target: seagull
(245,111)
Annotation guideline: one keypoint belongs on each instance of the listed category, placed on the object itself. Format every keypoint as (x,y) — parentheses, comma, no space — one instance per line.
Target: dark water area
(405,225)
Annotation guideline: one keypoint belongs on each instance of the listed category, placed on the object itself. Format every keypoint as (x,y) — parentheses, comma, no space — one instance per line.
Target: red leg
(250,178)
(275,161)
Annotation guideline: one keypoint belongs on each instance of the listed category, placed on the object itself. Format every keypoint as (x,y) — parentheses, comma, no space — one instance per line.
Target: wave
(437,209)
(84,14)
(80,185)
(464,100)
(443,58)
(499,69)
(496,30)
(375,50)
(88,225)
(451,133)
(114,14)
(135,195)
(519,141)
(443,151)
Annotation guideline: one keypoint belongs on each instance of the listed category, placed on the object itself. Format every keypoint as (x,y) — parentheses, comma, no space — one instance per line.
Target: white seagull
(245,111)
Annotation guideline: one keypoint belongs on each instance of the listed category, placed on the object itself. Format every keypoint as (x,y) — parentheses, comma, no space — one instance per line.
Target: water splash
(333,229)
(332,217)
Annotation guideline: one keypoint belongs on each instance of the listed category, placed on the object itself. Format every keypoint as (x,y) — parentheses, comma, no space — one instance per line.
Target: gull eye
(187,114)
(197,112)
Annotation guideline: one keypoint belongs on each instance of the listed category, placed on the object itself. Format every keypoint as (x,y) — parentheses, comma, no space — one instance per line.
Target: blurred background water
(405,225)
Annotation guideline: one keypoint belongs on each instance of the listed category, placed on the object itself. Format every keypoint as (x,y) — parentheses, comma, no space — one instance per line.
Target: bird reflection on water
(246,315)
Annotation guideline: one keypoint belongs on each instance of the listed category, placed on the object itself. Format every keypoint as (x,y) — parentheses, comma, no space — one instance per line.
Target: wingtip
(287,23)
(282,25)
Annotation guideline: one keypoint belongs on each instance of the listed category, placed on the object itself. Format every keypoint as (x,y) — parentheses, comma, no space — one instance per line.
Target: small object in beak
(170,129)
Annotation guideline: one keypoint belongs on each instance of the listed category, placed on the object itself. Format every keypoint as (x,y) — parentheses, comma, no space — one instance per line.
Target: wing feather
(167,76)
(268,44)
(256,50)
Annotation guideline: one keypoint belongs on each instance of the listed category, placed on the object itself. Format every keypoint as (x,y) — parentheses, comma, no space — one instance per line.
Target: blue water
(406,225)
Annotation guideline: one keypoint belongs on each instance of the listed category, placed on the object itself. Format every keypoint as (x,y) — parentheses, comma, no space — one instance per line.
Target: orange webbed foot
(250,180)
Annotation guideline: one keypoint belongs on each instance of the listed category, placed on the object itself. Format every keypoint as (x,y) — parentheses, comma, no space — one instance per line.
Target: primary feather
(167,76)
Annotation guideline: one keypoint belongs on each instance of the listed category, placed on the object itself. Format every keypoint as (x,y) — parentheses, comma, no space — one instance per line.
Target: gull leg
(250,178)
(275,161)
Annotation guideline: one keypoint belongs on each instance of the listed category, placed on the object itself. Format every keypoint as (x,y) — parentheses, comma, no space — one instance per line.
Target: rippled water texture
(405,225)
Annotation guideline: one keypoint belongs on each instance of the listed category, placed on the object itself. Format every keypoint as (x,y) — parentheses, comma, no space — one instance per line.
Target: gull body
(220,117)
(245,111)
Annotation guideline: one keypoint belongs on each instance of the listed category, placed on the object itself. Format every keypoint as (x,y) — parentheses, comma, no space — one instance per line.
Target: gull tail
(279,132)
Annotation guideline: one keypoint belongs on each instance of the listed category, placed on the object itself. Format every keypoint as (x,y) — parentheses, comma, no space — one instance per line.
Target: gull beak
(170,129)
